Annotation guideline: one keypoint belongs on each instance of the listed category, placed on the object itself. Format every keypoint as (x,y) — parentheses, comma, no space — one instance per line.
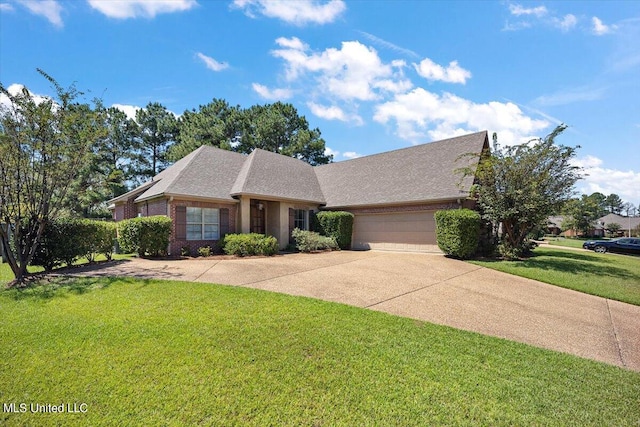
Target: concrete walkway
(428,287)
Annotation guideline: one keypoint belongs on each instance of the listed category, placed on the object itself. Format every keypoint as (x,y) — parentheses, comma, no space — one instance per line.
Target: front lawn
(176,353)
(607,275)
(569,242)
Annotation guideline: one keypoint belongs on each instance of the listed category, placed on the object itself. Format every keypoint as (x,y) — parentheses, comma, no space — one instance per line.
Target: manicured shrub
(250,244)
(310,241)
(64,240)
(205,251)
(338,225)
(145,235)
(99,238)
(457,232)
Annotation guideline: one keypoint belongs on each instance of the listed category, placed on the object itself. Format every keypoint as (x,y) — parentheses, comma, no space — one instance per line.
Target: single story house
(393,195)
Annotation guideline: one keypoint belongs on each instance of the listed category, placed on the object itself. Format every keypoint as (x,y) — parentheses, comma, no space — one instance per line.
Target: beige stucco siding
(408,231)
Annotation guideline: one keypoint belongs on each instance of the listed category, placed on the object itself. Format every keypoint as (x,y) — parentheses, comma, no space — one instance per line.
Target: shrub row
(310,241)
(145,235)
(250,244)
(457,232)
(64,240)
(338,225)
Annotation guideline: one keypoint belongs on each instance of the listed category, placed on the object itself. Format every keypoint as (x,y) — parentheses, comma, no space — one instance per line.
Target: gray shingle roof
(273,175)
(414,174)
(207,172)
(410,175)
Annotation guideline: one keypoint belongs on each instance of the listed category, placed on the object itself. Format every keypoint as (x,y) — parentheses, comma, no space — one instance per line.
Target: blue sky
(372,75)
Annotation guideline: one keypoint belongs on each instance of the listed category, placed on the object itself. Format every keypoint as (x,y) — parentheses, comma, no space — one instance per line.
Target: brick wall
(175,245)
(152,208)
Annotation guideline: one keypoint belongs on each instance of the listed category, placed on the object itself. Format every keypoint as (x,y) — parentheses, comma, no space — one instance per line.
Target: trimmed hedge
(145,235)
(64,240)
(309,241)
(250,244)
(336,224)
(457,232)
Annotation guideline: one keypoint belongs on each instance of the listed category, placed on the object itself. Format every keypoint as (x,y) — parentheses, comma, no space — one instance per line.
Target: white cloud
(123,9)
(421,114)
(6,7)
(454,73)
(352,72)
(129,110)
(211,63)
(328,113)
(351,155)
(272,94)
(17,88)
(519,10)
(571,95)
(329,152)
(599,28)
(567,23)
(50,9)
(299,12)
(625,184)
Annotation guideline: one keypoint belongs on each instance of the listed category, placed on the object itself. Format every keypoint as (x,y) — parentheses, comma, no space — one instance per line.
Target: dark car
(624,245)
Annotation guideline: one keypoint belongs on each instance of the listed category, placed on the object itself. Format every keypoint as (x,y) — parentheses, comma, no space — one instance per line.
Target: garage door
(406,231)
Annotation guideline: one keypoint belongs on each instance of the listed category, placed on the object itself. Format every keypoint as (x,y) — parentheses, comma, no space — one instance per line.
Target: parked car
(625,245)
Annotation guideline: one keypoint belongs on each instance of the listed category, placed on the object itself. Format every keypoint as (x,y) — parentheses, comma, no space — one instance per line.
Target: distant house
(393,195)
(554,225)
(625,223)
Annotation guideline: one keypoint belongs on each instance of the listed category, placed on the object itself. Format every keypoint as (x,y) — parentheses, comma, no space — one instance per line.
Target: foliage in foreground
(250,244)
(310,241)
(336,224)
(611,276)
(457,232)
(43,143)
(520,186)
(174,353)
(145,235)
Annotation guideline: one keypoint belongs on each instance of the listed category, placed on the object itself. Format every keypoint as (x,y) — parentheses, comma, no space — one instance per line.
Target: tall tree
(519,187)
(278,127)
(584,211)
(43,143)
(157,130)
(614,204)
(273,127)
(217,124)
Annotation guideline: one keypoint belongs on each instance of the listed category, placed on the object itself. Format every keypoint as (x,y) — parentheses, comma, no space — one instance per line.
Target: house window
(203,224)
(300,219)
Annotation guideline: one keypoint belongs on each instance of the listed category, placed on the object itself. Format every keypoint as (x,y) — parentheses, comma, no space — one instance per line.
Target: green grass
(6,275)
(175,353)
(563,241)
(607,275)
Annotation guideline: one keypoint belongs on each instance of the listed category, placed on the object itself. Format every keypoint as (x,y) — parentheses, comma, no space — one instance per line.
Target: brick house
(393,195)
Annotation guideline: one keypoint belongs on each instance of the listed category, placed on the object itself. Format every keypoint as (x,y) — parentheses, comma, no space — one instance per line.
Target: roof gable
(208,172)
(273,175)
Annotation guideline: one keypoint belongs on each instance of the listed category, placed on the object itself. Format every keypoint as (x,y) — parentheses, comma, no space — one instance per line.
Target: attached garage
(399,231)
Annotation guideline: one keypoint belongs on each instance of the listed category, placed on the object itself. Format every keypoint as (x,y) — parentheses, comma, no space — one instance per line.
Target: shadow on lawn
(49,287)
(575,263)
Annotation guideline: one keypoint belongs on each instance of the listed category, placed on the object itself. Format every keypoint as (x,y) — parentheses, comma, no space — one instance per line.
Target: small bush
(457,232)
(205,251)
(338,225)
(101,236)
(250,244)
(310,241)
(185,251)
(145,235)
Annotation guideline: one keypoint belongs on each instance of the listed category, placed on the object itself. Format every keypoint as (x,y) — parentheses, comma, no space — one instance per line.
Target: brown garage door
(405,231)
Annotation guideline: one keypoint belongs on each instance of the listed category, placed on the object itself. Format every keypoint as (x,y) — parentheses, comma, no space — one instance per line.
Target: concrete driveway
(428,287)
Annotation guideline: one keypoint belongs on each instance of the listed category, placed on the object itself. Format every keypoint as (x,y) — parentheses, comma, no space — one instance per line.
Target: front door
(257,217)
